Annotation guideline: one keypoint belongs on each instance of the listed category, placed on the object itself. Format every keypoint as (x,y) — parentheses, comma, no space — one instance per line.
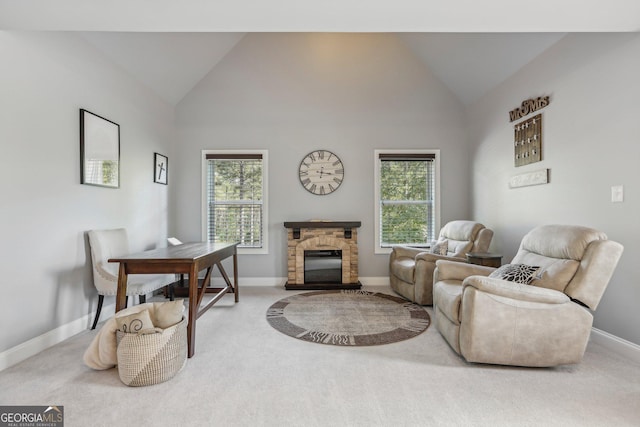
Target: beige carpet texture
(246,373)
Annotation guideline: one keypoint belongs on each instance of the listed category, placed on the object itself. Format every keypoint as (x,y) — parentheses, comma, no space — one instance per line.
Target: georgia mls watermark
(31,416)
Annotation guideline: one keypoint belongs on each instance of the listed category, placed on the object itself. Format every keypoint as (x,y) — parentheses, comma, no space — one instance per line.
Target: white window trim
(264,250)
(378,249)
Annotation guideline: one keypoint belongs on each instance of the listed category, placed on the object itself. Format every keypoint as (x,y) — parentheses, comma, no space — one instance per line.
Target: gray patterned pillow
(440,247)
(520,273)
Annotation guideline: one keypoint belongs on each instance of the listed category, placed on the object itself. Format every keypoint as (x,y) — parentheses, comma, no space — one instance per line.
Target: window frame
(264,250)
(378,248)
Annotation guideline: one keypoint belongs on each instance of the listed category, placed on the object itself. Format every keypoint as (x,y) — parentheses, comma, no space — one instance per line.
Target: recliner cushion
(460,230)
(447,295)
(554,273)
(559,241)
(404,269)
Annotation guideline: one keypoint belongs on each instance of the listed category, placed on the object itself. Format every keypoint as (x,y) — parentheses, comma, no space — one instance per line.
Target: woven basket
(153,358)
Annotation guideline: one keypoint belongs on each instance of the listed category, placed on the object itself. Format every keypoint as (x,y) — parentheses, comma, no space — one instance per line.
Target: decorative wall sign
(99,151)
(527,107)
(160,169)
(527,141)
(530,178)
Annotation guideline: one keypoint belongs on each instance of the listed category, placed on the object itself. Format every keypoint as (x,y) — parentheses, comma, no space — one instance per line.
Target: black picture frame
(160,169)
(99,150)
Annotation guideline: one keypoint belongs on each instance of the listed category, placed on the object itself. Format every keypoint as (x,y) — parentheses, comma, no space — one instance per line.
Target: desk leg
(121,292)
(193,310)
(235,276)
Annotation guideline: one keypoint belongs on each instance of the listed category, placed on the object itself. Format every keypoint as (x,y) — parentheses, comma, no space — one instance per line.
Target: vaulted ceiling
(171,64)
(470,46)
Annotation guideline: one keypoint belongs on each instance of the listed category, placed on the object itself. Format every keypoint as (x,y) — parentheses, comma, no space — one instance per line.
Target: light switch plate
(617,194)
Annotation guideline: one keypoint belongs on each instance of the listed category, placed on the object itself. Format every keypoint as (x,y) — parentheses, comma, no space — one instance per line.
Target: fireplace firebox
(323,266)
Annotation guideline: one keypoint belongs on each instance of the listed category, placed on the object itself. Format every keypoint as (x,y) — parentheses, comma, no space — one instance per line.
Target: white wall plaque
(530,178)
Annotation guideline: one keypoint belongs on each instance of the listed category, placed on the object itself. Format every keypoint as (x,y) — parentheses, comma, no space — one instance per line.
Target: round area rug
(348,317)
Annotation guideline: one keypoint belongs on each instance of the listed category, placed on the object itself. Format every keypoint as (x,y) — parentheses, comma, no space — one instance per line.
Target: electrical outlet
(617,194)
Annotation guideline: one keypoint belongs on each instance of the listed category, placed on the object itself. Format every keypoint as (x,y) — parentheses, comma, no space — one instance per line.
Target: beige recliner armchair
(545,323)
(411,269)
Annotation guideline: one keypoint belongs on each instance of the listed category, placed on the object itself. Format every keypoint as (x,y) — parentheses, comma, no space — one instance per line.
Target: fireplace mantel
(321,235)
(322,224)
(346,225)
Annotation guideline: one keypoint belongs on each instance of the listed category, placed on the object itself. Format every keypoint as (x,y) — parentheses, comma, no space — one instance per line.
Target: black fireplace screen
(323,266)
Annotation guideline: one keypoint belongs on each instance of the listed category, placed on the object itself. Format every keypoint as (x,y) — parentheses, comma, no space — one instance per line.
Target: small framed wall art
(160,169)
(99,151)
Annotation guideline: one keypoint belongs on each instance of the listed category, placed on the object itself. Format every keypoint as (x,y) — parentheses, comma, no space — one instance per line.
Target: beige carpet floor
(245,373)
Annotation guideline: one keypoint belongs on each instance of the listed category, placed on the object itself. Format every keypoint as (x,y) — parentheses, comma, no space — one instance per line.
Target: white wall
(45,78)
(591,134)
(294,93)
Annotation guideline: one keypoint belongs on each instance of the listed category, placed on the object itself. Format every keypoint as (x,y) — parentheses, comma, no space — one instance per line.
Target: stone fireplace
(329,245)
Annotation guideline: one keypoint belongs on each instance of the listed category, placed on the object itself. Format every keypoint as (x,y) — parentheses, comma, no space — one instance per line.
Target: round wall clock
(321,172)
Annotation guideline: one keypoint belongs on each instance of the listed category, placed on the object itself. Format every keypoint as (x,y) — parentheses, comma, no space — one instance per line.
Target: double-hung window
(407,210)
(235,198)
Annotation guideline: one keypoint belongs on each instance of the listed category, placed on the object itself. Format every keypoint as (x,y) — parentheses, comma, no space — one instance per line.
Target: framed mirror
(99,151)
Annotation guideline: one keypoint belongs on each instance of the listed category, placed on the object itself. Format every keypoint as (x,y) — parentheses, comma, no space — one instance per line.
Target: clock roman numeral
(336,163)
(337,180)
(321,155)
(339,171)
(313,188)
(331,187)
(306,182)
(322,190)
(304,173)
(312,157)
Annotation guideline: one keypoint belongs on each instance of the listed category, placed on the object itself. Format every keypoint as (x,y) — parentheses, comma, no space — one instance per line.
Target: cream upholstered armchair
(107,244)
(501,320)
(411,269)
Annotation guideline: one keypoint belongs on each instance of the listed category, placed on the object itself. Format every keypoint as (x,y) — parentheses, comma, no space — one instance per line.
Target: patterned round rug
(348,317)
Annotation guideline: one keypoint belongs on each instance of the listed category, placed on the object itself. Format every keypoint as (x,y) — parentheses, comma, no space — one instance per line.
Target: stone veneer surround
(321,235)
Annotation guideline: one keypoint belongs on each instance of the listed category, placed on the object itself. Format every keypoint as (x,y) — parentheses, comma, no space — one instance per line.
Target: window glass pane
(235,201)
(407,190)
(404,223)
(404,180)
(236,223)
(236,180)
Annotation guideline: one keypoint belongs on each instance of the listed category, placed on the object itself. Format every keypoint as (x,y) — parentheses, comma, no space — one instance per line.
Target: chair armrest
(407,251)
(452,270)
(514,290)
(429,257)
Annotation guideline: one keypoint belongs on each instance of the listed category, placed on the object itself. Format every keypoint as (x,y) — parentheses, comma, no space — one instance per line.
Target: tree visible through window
(235,198)
(406,198)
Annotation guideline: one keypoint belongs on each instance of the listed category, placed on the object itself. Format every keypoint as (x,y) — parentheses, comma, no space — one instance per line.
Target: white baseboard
(616,344)
(375,281)
(40,343)
(255,281)
(280,281)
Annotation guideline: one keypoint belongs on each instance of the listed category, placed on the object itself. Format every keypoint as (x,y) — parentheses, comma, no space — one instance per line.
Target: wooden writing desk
(188,258)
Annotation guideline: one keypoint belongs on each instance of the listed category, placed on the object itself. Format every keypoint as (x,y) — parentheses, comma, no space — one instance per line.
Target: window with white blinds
(407,208)
(235,199)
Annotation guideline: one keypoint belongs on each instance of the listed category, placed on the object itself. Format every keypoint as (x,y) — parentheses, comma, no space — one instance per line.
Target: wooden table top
(187,252)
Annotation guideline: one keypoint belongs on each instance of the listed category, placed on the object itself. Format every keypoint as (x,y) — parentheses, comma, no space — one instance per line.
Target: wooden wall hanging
(528,141)
(527,107)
